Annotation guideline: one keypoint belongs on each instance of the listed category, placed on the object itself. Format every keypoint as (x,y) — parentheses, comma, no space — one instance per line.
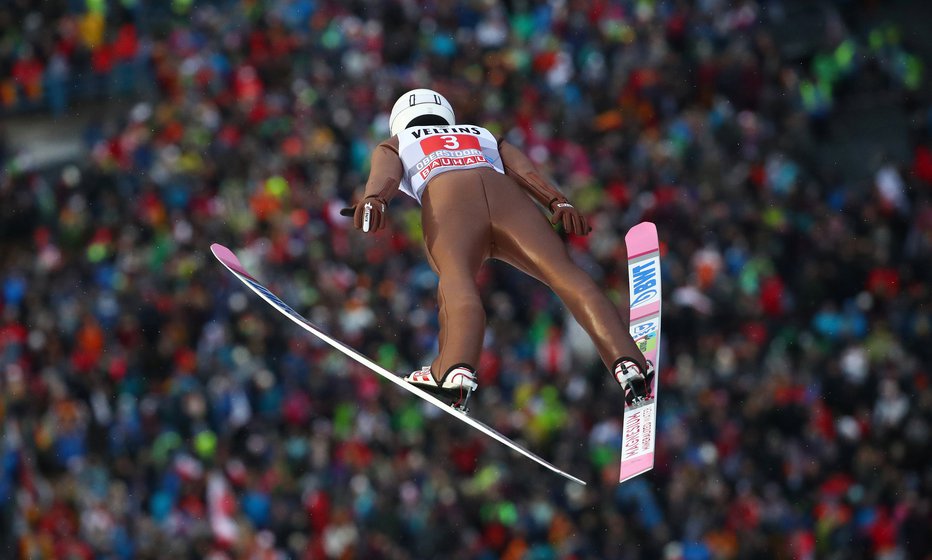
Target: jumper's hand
(573,222)
(369,215)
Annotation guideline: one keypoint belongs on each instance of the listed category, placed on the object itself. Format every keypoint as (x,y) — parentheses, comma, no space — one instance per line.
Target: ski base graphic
(639,430)
(229,260)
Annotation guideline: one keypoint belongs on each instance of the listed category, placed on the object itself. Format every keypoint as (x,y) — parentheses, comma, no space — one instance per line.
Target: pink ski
(640,424)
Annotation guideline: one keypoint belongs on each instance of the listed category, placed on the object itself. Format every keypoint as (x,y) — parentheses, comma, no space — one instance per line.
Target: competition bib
(428,151)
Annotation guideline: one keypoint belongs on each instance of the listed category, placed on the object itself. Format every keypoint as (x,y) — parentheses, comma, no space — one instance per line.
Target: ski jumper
(476,203)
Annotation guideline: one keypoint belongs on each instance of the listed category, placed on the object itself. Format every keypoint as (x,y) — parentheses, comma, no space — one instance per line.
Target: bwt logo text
(644,278)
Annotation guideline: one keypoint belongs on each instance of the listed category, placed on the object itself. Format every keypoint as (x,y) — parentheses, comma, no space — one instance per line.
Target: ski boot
(456,386)
(638,385)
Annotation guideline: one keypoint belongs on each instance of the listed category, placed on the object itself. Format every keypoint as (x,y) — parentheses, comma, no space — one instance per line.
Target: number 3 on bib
(452,142)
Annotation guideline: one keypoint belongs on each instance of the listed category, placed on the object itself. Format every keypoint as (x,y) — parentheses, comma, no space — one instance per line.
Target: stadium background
(153,409)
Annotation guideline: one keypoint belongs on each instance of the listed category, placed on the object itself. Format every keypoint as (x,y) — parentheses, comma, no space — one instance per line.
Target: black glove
(369,215)
(573,222)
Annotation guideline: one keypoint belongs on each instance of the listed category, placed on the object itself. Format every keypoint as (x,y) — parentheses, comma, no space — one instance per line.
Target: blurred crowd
(56,52)
(153,408)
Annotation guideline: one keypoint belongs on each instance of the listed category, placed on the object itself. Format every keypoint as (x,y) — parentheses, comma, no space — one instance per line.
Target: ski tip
(221,252)
(641,238)
(643,229)
(224,255)
(227,257)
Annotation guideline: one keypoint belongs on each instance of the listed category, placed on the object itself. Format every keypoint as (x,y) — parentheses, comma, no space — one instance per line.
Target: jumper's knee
(577,286)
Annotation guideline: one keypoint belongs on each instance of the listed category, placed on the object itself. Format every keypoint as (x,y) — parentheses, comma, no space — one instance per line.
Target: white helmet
(419,103)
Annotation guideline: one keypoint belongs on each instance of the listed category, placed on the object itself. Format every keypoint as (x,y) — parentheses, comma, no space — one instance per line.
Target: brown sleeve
(525,173)
(385,171)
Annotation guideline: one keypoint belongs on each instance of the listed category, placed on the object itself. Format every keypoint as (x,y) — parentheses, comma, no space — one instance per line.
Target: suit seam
(488,209)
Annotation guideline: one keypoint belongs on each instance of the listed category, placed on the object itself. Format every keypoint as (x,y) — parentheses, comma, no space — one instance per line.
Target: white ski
(229,260)
(639,430)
